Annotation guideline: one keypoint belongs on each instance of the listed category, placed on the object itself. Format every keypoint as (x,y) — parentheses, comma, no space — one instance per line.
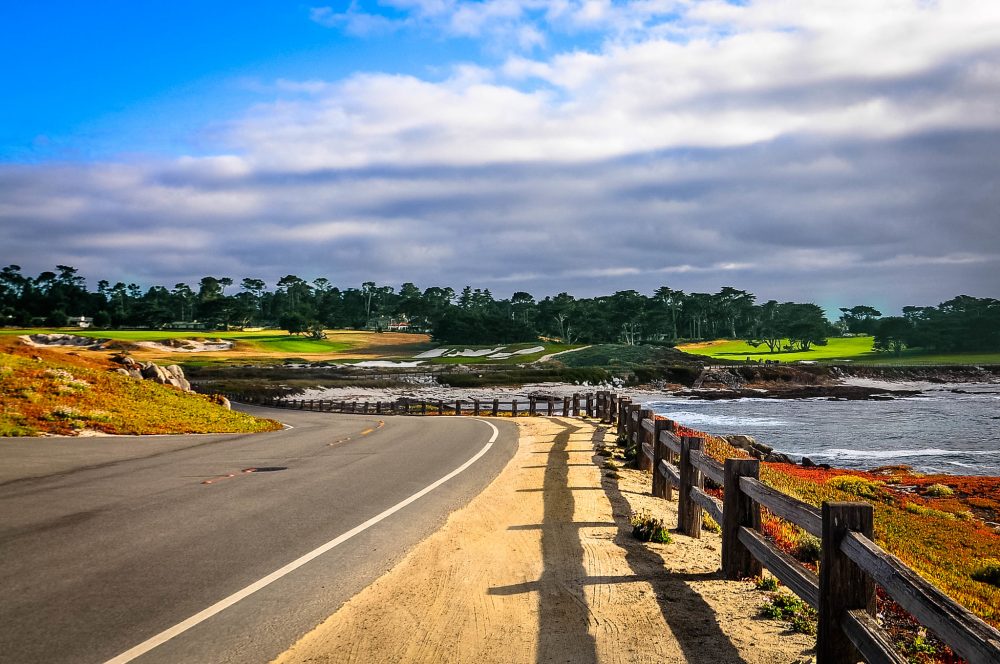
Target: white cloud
(761,71)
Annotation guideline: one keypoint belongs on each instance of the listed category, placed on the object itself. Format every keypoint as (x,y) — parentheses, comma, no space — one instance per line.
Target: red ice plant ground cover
(945,538)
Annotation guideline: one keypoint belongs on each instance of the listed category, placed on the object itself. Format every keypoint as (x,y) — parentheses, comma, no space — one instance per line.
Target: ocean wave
(839,453)
(696,420)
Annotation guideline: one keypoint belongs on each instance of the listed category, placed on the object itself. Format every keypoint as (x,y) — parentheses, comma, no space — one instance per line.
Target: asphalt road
(105,543)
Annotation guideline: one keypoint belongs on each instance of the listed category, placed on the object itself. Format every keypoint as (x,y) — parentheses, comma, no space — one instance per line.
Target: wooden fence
(851,564)
(600,405)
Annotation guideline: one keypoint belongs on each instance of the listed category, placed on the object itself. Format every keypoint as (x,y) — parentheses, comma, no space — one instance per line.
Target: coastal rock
(172,375)
(808,463)
(749,444)
(778,457)
(177,378)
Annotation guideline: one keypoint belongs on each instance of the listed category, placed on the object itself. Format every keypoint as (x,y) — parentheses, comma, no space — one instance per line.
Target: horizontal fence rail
(851,563)
(600,405)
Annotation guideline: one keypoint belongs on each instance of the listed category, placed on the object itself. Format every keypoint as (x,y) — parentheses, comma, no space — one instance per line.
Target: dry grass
(52,392)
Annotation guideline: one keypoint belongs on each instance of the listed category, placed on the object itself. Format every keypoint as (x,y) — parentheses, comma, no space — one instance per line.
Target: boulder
(172,375)
(778,457)
(177,378)
(749,444)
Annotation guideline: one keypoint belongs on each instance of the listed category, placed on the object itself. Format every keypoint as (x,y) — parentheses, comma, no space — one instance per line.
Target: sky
(840,151)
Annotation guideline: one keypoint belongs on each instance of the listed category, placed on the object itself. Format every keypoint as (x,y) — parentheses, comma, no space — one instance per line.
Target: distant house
(396,324)
(80,321)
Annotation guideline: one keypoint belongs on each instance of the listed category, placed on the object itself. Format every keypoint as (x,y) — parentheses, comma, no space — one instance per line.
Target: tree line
(472,315)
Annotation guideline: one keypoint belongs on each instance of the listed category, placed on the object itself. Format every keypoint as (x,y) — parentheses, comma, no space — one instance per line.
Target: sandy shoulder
(541,567)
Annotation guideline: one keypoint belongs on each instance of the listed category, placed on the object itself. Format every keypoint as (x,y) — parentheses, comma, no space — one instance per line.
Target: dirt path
(541,567)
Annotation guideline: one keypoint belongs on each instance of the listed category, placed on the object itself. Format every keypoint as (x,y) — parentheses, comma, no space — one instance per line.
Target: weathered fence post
(644,462)
(632,426)
(496,407)
(551,406)
(659,481)
(458,406)
(688,511)
(576,404)
(532,407)
(513,407)
(739,510)
(590,404)
(623,405)
(475,407)
(378,407)
(842,584)
(423,407)
(565,406)
(440,407)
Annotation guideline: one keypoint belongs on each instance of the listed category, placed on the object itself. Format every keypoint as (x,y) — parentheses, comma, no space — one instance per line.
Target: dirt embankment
(541,567)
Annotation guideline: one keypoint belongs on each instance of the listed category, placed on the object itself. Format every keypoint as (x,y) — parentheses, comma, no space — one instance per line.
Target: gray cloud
(895,222)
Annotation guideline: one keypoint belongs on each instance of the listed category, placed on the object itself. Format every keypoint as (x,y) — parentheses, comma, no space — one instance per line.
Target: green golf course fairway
(837,349)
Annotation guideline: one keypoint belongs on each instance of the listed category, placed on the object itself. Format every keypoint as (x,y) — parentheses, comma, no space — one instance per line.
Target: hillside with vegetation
(45,392)
(304,308)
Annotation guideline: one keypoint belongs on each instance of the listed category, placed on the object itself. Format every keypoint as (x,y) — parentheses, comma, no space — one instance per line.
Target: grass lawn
(854,349)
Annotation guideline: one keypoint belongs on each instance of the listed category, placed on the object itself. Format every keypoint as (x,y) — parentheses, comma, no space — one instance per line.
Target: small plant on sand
(605,451)
(647,528)
(709,524)
(783,606)
(939,491)
(988,572)
(919,648)
(767,583)
(611,465)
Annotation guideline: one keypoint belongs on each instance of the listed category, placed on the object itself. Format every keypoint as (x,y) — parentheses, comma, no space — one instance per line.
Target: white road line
(224,604)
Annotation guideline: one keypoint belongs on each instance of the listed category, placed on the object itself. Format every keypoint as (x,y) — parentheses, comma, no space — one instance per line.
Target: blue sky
(90,80)
(802,149)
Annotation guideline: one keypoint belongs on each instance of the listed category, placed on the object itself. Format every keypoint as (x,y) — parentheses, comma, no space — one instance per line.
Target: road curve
(106,543)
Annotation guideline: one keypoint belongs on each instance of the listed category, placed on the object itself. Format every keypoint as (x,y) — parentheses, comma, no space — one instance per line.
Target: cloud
(842,154)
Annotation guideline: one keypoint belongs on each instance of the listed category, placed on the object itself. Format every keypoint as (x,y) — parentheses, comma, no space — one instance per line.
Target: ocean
(952,428)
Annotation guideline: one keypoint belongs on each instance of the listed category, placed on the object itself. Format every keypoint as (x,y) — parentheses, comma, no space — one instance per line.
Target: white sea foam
(841,453)
(728,421)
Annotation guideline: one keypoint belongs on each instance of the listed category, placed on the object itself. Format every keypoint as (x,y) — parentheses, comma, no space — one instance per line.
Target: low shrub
(647,528)
(800,616)
(914,508)
(988,572)
(856,486)
(768,583)
(939,491)
(808,548)
(709,524)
